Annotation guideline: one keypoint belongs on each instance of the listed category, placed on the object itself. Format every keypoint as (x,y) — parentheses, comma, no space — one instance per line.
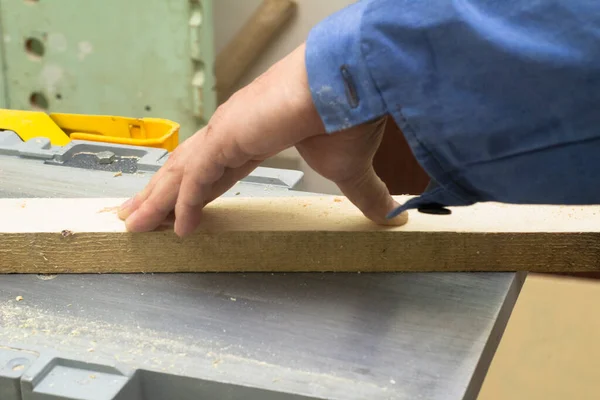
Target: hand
(271,114)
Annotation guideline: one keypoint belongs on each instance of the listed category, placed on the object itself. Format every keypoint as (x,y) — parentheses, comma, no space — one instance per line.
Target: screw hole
(148,108)
(38,101)
(18,364)
(58,96)
(34,48)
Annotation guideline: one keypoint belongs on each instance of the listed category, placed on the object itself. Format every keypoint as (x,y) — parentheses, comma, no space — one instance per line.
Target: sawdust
(26,322)
(19,298)
(89,153)
(139,347)
(84,153)
(113,210)
(116,174)
(46,277)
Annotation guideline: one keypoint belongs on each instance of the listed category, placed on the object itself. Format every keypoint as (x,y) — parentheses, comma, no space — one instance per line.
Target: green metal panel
(3,93)
(137,58)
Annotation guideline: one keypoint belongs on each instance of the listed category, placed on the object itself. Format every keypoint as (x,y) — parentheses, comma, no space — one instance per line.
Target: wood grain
(297,234)
(550,349)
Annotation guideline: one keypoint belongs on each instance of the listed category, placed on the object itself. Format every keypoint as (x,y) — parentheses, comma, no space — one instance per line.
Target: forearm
(499,101)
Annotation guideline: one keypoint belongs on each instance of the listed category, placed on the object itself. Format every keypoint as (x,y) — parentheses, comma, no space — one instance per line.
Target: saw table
(231,336)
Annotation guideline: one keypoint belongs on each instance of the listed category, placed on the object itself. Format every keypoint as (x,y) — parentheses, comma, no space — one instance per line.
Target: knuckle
(190,195)
(354,176)
(373,208)
(216,119)
(173,165)
(219,157)
(184,208)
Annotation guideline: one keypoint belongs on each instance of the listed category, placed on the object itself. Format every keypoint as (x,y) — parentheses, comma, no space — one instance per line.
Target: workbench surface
(339,336)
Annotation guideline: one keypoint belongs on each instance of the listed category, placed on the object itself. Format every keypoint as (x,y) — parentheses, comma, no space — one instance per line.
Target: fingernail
(394,213)
(126,204)
(129,220)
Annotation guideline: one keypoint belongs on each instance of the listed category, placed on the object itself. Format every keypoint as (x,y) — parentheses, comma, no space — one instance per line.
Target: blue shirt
(498,100)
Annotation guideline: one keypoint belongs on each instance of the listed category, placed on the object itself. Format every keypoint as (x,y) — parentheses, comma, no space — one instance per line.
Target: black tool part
(433,208)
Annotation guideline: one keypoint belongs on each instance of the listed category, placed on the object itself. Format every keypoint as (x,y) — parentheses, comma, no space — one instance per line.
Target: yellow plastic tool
(60,129)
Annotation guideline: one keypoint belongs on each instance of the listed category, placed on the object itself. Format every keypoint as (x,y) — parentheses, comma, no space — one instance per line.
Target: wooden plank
(551,348)
(297,234)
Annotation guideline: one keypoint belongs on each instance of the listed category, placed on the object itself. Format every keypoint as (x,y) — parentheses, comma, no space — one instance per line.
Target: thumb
(372,197)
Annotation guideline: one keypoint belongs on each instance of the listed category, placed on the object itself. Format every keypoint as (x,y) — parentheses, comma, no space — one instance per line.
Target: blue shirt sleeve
(498,100)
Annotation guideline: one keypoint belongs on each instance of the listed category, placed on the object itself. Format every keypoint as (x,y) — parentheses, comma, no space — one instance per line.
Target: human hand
(271,114)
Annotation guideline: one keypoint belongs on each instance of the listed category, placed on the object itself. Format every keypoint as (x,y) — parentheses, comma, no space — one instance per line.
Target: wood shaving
(109,209)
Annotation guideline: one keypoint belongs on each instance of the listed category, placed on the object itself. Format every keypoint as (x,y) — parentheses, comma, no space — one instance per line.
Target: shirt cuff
(342,89)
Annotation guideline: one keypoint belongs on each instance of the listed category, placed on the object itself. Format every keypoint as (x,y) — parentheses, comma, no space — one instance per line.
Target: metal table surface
(338,336)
